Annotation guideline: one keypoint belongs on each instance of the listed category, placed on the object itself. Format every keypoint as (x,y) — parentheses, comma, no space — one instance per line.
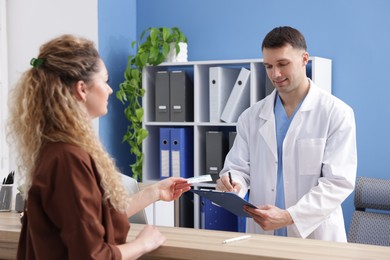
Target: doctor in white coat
(295,149)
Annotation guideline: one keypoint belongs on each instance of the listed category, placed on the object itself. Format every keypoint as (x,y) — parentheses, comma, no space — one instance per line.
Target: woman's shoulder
(61,148)
(60,153)
(56,157)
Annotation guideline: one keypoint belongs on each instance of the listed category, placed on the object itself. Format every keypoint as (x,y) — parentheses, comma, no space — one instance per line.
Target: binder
(232,137)
(162,102)
(182,152)
(238,99)
(184,210)
(221,82)
(182,166)
(165,153)
(215,152)
(268,86)
(181,97)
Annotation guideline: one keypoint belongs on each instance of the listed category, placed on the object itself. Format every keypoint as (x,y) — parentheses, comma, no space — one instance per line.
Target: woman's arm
(166,190)
(150,237)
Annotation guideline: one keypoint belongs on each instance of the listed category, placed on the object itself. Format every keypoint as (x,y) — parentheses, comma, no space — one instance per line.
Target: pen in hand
(231,181)
(230,178)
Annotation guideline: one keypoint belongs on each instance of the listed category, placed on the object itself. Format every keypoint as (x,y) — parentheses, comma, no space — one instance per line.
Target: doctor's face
(286,68)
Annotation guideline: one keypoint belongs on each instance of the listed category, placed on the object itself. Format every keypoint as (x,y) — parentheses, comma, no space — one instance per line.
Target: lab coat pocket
(310,154)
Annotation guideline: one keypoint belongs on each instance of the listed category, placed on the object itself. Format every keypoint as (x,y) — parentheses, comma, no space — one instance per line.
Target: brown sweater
(65,217)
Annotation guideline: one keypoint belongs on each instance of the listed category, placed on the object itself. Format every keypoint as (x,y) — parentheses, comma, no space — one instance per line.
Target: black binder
(232,137)
(181,97)
(162,97)
(215,152)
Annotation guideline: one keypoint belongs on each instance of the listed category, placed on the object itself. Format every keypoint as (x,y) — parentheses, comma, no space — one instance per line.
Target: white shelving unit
(319,70)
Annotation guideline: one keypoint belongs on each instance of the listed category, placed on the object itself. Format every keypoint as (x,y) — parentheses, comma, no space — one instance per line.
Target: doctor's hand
(270,217)
(224,184)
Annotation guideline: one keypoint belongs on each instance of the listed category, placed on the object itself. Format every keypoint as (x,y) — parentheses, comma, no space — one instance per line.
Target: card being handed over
(198,179)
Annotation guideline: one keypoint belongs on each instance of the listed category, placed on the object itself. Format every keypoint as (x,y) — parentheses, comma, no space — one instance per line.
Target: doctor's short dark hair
(280,36)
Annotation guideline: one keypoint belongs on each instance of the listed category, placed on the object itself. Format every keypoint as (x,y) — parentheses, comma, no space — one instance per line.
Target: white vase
(182,56)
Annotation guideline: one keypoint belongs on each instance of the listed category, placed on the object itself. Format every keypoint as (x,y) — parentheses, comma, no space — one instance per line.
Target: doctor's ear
(80,89)
(305,58)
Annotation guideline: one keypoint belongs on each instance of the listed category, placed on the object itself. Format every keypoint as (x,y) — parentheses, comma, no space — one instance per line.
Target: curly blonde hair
(44,108)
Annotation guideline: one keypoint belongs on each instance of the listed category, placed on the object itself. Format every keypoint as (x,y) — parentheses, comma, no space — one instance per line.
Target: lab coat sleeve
(337,179)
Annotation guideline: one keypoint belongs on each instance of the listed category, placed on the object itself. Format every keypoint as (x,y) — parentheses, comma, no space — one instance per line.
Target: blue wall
(354,34)
(117,29)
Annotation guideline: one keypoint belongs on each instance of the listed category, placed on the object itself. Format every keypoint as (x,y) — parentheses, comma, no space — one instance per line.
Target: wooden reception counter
(187,243)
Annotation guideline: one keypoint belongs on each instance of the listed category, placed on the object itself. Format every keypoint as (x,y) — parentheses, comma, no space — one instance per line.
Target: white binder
(221,82)
(239,98)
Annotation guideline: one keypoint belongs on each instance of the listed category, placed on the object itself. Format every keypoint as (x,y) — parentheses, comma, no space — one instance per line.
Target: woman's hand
(150,237)
(147,240)
(171,188)
(168,189)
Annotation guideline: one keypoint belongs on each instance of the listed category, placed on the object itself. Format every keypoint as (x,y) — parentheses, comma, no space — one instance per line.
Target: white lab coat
(319,163)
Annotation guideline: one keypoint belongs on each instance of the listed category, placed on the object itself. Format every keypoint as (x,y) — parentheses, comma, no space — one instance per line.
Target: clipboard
(228,200)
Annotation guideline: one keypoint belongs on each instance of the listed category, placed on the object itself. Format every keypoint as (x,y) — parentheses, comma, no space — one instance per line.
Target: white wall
(4,163)
(33,22)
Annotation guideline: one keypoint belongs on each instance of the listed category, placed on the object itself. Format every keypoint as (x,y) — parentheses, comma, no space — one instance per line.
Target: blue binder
(182,152)
(165,153)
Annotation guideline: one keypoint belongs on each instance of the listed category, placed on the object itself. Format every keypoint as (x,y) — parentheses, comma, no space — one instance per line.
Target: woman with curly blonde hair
(76,206)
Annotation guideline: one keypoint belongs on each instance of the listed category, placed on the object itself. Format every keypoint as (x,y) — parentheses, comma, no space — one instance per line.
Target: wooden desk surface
(9,234)
(188,243)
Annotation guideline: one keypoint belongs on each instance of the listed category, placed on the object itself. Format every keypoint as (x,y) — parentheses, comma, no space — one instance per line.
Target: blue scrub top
(282,124)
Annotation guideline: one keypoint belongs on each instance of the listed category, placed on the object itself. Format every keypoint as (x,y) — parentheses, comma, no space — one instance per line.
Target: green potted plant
(153,51)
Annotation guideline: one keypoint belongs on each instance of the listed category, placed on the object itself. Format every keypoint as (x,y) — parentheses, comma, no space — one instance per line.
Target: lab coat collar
(267,111)
(267,130)
(311,97)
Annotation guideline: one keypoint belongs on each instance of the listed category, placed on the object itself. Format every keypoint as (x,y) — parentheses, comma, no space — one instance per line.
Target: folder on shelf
(215,152)
(162,98)
(165,153)
(238,99)
(268,86)
(221,82)
(228,200)
(184,210)
(182,152)
(232,137)
(181,97)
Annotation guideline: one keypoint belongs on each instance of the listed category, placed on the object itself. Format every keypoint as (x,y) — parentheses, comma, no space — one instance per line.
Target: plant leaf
(165,34)
(165,49)
(151,51)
